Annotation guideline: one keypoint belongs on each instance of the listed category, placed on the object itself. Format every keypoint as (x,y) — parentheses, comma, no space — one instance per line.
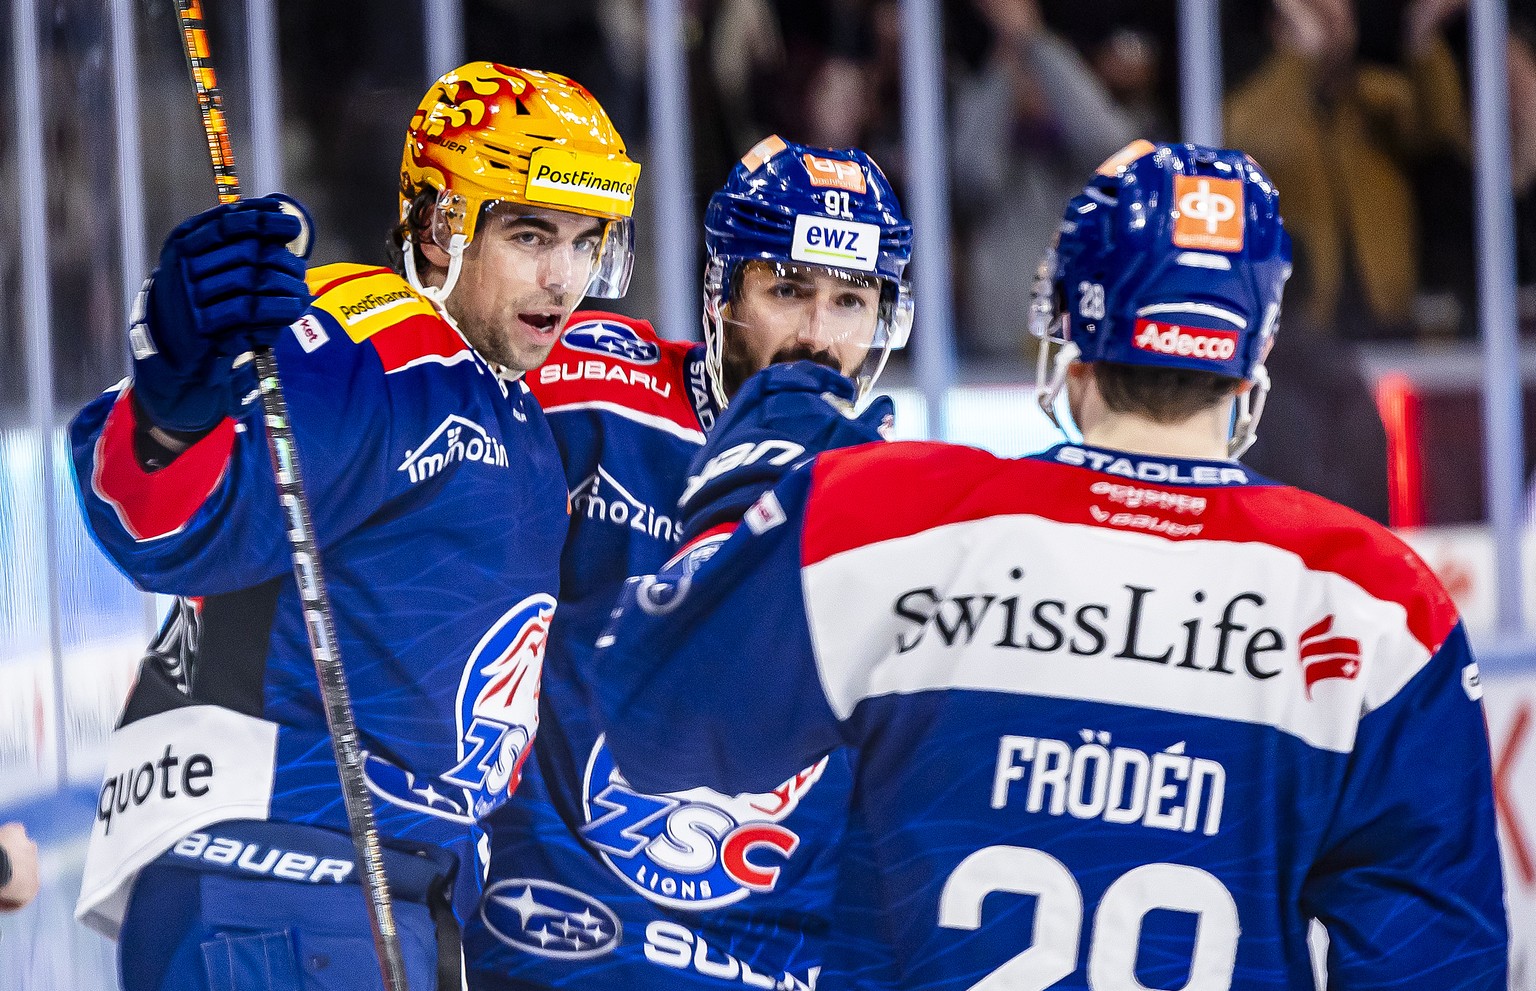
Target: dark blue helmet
(797,205)
(1173,256)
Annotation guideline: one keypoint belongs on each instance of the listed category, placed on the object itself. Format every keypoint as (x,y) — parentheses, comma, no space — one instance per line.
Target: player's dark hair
(1162,395)
(417,222)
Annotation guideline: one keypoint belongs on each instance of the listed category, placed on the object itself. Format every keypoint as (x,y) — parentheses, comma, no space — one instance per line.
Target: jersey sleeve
(1409,884)
(210,522)
(708,675)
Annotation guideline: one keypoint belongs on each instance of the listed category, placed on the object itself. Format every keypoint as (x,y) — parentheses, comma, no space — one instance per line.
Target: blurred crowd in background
(1357,108)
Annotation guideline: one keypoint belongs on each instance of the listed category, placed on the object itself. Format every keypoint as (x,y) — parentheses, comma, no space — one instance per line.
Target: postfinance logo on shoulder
(841,243)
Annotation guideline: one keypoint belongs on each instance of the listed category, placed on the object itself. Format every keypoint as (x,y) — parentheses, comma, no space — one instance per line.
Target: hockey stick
(318,618)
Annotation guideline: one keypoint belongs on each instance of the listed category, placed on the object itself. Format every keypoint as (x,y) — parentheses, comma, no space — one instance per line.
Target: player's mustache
(804,352)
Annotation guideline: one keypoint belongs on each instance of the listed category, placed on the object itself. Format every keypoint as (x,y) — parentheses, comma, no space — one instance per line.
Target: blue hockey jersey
(594,883)
(1121,722)
(440,509)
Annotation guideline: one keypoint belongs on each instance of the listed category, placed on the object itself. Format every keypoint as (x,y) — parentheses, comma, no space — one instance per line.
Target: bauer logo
(1209,214)
(1178,341)
(576,179)
(498,703)
(828,241)
(612,339)
(456,439)
(549,920)
(695,849)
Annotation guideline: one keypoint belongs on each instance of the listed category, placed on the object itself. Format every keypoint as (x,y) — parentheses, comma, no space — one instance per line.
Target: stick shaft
(319,620)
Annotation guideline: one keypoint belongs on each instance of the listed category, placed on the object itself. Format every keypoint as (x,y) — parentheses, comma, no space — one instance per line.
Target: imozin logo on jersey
(498,704)
(1179,341)
(612,339)
(693,849)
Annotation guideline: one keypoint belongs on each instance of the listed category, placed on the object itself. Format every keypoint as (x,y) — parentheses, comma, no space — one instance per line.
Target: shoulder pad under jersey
(618,364)
(371,304)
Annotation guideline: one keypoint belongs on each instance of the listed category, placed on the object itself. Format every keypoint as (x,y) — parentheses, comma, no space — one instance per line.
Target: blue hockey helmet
(1173,256)
(800,207)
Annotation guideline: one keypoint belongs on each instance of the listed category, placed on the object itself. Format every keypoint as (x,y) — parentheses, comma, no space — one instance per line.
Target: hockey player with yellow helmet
(220,855)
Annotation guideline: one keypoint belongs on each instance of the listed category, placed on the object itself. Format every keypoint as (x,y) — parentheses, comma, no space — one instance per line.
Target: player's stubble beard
(503,340)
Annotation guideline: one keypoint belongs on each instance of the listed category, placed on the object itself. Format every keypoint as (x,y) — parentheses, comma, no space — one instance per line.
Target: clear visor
(777,311)
(596,253)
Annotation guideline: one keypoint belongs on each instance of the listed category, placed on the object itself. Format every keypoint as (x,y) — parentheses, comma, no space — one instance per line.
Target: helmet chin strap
(1250,406)
(437,294)
(1047,390)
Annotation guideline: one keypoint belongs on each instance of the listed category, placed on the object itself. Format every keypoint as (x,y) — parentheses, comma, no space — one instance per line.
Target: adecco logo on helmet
(588,182)
(828,241)
(1209,214)
(1185,342)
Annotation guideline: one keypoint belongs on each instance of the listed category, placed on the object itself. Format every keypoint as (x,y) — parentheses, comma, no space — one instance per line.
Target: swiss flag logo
(1324,655)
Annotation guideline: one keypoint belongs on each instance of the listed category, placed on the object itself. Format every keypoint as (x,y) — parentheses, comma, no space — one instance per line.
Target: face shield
(774,311)
(1048,323)
(599,264)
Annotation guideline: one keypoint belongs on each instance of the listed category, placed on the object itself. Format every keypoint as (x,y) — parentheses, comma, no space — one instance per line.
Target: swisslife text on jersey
(1265,711)
(440,510)
(594,883)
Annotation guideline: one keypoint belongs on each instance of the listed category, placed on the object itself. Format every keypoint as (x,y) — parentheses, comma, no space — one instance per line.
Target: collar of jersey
(1181,471)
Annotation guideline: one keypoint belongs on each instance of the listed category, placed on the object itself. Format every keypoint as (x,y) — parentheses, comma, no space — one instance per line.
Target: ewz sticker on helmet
(829,241)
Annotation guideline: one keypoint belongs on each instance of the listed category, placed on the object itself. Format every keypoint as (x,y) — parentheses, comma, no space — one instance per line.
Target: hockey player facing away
(221,847)
(593,883)
(1124,714)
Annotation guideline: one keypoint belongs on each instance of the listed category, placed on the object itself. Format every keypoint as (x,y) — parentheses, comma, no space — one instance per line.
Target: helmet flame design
(479,126)
(487,133)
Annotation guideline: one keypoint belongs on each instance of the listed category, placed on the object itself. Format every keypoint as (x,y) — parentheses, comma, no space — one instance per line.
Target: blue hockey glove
(229,279)
(782,417)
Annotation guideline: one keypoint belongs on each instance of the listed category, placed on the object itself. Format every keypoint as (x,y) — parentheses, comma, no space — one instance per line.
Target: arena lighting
(1397,399)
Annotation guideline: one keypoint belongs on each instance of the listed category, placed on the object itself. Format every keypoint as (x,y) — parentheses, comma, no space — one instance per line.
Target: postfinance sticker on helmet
(842,243)
(1208,213)
(581,181)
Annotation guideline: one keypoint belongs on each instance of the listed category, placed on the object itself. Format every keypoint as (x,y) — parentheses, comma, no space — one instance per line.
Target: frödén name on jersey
(1168,789)
(1212,638)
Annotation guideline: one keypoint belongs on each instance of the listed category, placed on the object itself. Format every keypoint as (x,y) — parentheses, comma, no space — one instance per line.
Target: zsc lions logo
(549,920)
(611,339)
(498,704)
(692,849)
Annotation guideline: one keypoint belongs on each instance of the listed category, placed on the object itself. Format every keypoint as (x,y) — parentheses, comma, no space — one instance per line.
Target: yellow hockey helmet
(487,133)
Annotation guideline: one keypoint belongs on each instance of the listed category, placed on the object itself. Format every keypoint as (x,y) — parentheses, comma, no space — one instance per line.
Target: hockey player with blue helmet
(592,882)
(805,217)
(1123,714)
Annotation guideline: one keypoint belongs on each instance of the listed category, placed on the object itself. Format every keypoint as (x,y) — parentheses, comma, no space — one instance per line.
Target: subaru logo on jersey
(498,703)
(398,786)
(694,849)
(612,339)
(549,920)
